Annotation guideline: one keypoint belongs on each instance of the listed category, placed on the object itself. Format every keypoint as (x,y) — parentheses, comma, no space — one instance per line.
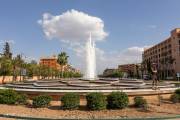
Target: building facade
(108,72)
(50,62)
(130,70)
(166,55)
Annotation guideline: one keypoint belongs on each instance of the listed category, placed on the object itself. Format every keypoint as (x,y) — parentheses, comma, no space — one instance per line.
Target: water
(90,59)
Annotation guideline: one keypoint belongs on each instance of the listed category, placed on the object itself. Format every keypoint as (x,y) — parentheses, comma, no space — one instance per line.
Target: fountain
(89,83)
(90,59)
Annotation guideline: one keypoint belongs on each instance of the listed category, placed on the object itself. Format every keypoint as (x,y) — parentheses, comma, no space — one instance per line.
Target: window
(170,45)
(178,35)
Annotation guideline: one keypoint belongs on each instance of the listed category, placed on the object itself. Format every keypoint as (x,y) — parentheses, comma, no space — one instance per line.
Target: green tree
(44,71)
(148,63)
(62,60)
(137,71)
(17,64)
(7,52)
(5,67)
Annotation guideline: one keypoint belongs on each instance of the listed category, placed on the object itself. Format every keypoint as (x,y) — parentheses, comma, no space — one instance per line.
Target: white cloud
(72,26)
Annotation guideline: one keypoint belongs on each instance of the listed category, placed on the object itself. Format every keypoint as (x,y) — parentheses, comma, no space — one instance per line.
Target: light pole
(22,70)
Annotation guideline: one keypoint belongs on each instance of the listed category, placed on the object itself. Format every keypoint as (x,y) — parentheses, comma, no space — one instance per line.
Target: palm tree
(62,60)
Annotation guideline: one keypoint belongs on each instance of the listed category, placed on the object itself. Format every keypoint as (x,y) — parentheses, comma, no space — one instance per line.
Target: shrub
(8,96)
(140,102)
(70,101)
(117,100)
(175,98)
(22,99)
(177,84)
(96,101)
(41,101)
(177,91)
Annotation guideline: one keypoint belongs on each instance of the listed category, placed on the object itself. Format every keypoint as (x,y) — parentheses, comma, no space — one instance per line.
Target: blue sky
(130,23)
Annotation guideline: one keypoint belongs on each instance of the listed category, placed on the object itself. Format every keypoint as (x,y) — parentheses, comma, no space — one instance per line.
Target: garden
(113,105)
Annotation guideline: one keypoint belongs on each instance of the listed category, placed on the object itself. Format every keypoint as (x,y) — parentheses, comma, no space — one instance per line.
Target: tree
(5,67)
(143,68)
(149,68)
(17,65)
(170,63)
(7,52)
(33,62)
(44,71)
(62,60)
(137,71)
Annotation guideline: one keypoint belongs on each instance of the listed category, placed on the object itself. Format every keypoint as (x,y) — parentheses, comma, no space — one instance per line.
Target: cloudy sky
(121,28)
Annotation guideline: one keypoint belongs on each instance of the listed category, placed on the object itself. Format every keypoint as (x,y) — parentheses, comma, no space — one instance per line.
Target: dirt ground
(166,109)
(54,111)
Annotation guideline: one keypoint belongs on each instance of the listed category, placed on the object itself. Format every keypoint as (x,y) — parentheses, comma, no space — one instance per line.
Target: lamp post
(22,70)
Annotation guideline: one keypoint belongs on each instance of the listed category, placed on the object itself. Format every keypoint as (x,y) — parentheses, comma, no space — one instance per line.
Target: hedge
(70,101)
(117,100)
(96,101)
(22,99)
(140,102)
(8,96)
(41,101)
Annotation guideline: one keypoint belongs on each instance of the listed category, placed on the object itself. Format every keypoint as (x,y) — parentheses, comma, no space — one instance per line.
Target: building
(108,72)
(127,67)
(130,70)
(166,55)
(50,62)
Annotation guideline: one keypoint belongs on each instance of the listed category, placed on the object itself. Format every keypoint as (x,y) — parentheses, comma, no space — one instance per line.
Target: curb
(37,118)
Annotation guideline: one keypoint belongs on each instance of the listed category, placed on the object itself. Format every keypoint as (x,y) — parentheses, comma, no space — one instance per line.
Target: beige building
(52,63)
(166,55)
(131,70)
(108,72)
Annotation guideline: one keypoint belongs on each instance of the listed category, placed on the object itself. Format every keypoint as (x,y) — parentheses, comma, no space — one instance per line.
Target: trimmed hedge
(177,91)
(8,96)
(41,101)
(96,101)
(117,100)
(22,99)
(175,98)
(140,102)
(70,101)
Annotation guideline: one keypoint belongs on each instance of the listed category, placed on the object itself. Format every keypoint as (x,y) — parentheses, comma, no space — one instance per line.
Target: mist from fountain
(90,59)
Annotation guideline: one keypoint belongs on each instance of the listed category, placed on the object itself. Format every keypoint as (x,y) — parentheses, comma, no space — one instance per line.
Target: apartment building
(131,70)
(166,55)
(50,62)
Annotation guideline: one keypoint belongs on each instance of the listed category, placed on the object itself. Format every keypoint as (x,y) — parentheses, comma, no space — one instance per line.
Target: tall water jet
(90,59)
